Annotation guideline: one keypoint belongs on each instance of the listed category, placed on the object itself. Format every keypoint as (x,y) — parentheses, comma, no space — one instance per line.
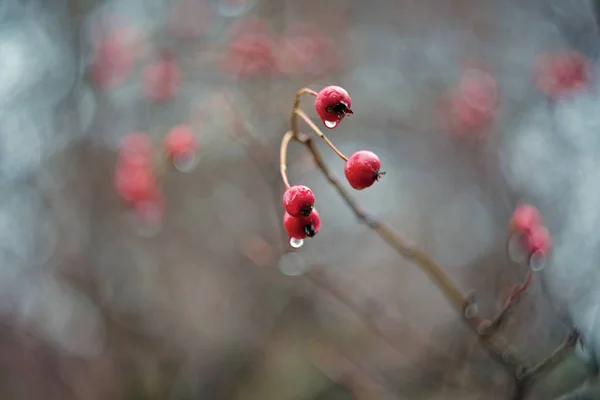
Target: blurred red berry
(250,54)
(362,169)
(472,106)
(333,104)
(298,201)
(180,141)
(562,73)
(161,80)
(525,219)
(135,183)
(303,49)
(112,62)
(302,227)
(538,241)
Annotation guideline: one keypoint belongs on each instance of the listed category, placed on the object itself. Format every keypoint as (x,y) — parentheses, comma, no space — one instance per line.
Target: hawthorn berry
(473,104)
(525,219)
(562,74)
(538,241)
(112,62)
(302,227)
(333,104)
(161,80)
(298,201)
(135,183)
(180,141)
(362,169)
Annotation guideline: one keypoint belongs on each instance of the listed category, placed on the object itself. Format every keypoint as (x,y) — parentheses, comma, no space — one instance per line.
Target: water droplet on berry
(515,248)
(537,261)
(296,243)
(185,162)
(331,124)
(234,8)
(293,264)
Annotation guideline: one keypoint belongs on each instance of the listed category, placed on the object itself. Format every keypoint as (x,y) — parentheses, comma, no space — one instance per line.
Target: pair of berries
(534,237)
(362,168)
(300,220)
(135,178)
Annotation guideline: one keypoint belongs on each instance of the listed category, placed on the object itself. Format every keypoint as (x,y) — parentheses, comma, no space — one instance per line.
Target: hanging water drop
(331,124)
(515,248)
(537,261)
(296,243)
(185,162)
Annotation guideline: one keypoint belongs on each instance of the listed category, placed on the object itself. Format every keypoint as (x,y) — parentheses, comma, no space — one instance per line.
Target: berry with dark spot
(362,169)
(302,227)
(298,201)
(333,104)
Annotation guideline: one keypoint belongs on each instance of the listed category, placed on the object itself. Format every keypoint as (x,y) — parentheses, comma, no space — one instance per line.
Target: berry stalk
(319,133)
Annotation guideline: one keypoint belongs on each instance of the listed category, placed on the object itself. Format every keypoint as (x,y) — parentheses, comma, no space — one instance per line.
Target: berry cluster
(362,168)
(136,179)
(527,226)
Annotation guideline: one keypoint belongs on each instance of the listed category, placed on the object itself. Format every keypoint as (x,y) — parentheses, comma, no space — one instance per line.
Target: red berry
(112,63)
(362,169)
(135,183)
(525,219)
(161,80)
(537,241)
(562,73)
(302,227)
(298,201)
(333,104)
(180,141)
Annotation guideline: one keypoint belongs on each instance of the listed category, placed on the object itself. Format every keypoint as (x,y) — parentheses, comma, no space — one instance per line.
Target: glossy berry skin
(525,219)
(298,201)
(537,241)
(562,73)
(333,104)
(180,141)
(362,169)
(302,227)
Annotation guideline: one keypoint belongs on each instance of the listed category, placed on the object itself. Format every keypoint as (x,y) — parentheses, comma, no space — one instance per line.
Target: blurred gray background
(216,305)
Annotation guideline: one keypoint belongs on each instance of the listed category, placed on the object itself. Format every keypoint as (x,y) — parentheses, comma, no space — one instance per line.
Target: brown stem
(283,157)
(553,359)
(492,326)
(495,347)
(319,133)
(293,118)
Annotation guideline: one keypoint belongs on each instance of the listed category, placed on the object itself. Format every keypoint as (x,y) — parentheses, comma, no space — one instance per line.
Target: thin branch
(495,347)
(320,133)
(283,157)
(492,326)
(294,116)
(553,359)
